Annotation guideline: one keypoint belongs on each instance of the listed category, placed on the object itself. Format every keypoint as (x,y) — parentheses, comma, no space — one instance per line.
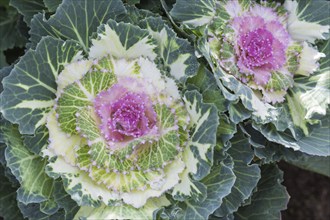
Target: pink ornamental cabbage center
(260,47)
(124,115)
(256,49)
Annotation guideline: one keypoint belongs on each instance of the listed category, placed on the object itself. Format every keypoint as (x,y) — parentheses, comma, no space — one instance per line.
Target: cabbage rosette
(272,57)
(121,135)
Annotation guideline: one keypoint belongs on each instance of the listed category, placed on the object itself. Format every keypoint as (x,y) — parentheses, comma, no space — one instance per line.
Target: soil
(310,194)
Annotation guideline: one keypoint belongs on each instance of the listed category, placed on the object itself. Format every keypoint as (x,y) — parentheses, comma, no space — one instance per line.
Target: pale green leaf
(123,211)
(309,98)
(28,168)
(80,94)
(122,40)
(78,184)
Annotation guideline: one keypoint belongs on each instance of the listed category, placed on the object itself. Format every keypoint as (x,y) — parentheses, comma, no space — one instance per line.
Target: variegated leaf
(75,20)
(177,54)
(194,12)
(29,91)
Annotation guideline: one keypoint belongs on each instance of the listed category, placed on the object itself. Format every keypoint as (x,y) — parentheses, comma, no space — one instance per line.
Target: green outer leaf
(205,83)
(247,176)
(238,112)
(316,143)
(269,152)
(38,141)
(76,20)
(3,61)
(28,168)
(219,184)
(316,164)
(276,152)
(193,12)
(177,54)
(28,8)
(132,2)
(314,11)
(64,200)
(261,112)
(225,132)
(39,28)
(269,199)
(49,207)
(33,211)
(8,202)
(4,72)
(52,5)
(2,151)
(29,90)
(135,15)
(9,29)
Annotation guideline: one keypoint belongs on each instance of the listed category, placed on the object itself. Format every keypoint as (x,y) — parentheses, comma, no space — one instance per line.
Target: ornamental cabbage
(270,61)
(114,123)
(121,133)
(262,47)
